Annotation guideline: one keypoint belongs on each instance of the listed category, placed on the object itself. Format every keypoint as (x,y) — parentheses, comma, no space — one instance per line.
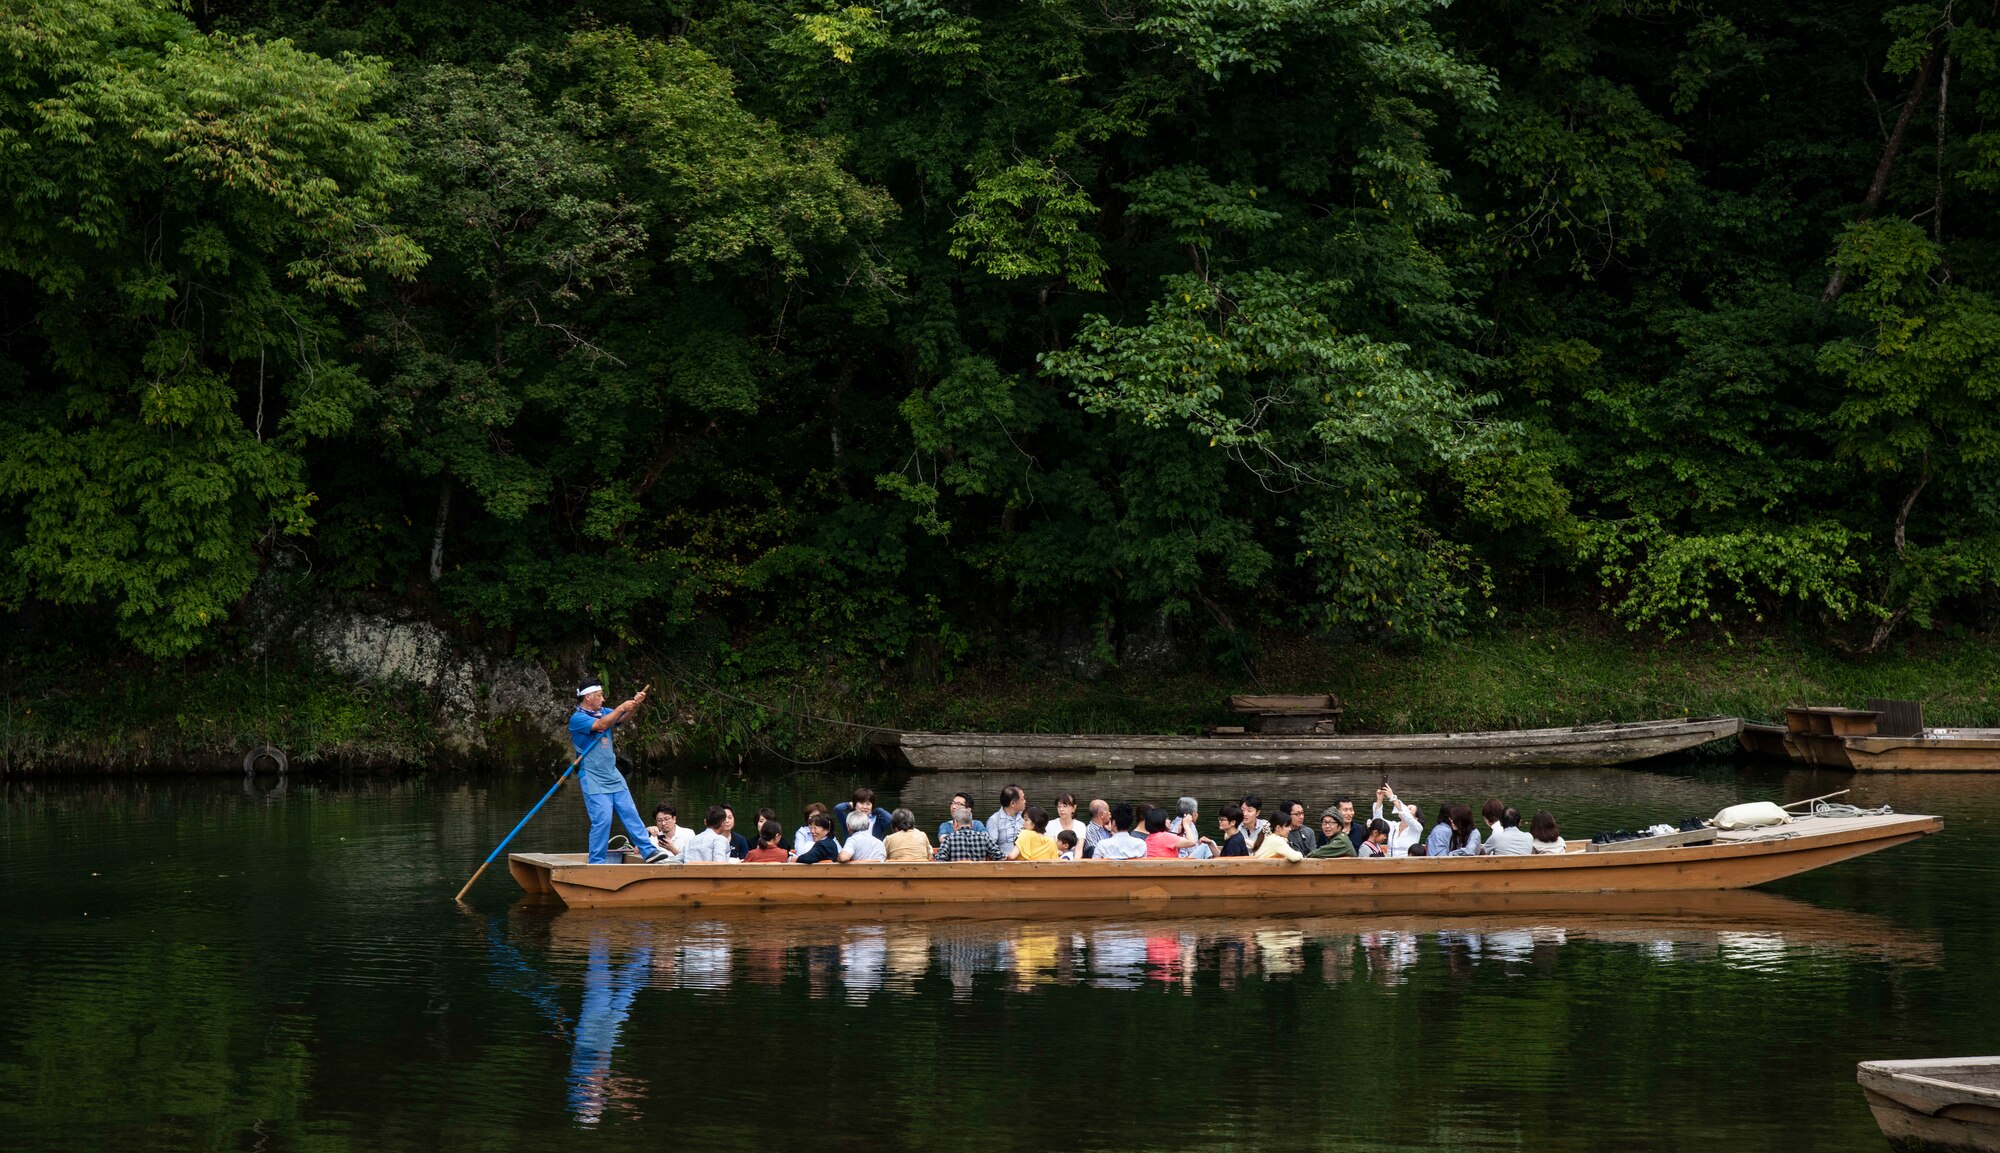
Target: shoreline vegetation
(205,715)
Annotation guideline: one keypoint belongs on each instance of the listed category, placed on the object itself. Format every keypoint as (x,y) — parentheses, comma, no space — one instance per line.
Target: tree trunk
(1878,186)
(437,534)
(1937,204)
(1903,513)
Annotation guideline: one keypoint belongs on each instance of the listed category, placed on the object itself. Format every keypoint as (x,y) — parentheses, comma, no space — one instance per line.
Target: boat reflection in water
(860,953)
(855,952)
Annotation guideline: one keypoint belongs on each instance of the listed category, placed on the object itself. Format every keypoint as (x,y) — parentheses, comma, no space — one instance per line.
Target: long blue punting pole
(574,762)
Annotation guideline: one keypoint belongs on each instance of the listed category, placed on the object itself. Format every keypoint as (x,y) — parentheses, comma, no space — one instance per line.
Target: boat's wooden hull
(1582,745)
(1939,751)
(1762,740)
(1735,861)
(1950,1106)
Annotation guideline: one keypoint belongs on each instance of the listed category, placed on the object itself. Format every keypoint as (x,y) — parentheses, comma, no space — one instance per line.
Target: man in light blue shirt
(605,792)
(1006,822)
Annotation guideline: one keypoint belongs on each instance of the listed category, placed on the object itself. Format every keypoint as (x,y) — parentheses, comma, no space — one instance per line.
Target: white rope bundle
(1835,809)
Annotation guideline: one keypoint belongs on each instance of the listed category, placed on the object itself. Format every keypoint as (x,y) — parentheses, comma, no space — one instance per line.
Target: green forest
(808,335)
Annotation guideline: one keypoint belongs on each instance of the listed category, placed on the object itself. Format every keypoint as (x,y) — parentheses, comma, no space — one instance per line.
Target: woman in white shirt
(1066,820)
(1547,834)
(1407,829)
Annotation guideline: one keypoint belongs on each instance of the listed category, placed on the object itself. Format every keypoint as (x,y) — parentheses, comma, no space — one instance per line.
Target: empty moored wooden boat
(1605,744)
(1889,736)
(1932,751)
(1938,1106)
(1734,860)
(1765,740)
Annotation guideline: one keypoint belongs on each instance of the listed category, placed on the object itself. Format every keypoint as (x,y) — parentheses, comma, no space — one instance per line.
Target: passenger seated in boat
(1005,824)
(1100,826)
(1356,833)
(862,801)
(1188,824)
(1438,843)
(768,851)
(1254,823)
(1162,843)
(1066,818)
(1465,839)
(1230,822)
(1300,835)
(822,846)
(1490,813)
(1547,834)
(711,845)
(958,799)
(906,842)
(1122,845)
(667,832)
(1033,842)
(1066,846)
(1406,827)
(738,847)
(1329,824)
(1510,840)
(802,838)
(1272,843)
(1334,841)
(964,840)
(1377,844)
(862,845)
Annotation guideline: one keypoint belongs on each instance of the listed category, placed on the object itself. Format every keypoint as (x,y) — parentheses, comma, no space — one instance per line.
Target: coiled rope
(1836,809)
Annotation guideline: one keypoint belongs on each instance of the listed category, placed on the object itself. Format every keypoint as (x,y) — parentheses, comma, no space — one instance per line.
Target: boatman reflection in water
(607,1001)
(604,790)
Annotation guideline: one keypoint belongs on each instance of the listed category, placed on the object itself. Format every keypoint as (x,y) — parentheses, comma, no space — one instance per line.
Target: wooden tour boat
(1602,744)
(1940,1106)
(1888,736)
(1729,860)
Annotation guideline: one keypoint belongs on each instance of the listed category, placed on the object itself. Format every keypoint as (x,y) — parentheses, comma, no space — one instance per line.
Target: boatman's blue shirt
(599,770)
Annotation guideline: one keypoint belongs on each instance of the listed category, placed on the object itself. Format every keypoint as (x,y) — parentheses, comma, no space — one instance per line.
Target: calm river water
(190,964)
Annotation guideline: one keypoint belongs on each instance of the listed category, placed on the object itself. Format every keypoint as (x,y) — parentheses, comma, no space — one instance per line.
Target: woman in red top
(767,850)
(1160,842)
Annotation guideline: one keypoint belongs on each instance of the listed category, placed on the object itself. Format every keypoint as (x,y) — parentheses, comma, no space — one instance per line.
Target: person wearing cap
(605,793)
(1334,841)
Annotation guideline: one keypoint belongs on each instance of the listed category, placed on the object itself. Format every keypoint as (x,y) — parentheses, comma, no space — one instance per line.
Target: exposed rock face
(1151,646)
(477,696)
(472,690)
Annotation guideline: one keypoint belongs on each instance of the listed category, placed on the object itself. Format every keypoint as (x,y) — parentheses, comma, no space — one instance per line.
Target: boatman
(604,790)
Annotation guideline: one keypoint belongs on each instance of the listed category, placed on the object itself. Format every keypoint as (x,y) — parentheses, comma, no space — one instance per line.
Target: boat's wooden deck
(1809,826)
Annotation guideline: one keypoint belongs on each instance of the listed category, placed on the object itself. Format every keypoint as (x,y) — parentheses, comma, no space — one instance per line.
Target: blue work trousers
(601,807)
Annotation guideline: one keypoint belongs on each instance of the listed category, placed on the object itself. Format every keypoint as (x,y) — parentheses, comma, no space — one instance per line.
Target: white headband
(589,689)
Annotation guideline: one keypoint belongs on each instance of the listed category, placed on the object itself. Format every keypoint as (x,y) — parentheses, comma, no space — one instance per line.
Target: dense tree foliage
(842,331)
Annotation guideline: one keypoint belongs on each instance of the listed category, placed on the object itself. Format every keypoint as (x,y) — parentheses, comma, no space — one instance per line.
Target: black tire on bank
(264,753)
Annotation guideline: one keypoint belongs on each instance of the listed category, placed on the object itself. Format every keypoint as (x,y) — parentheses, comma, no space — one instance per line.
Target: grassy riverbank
(1567,673)
(206,715)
